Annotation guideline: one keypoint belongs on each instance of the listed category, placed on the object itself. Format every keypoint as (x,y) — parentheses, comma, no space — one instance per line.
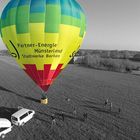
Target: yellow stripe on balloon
(37,32)
(67,40)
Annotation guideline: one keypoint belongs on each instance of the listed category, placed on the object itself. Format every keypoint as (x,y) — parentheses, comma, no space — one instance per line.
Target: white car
(22,116)
(5,127)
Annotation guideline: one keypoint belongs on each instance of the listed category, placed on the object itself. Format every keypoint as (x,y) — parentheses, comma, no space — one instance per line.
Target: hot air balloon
(43,36)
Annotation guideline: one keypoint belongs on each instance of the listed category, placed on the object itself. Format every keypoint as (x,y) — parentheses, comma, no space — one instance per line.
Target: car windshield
(14,119)
(2,129)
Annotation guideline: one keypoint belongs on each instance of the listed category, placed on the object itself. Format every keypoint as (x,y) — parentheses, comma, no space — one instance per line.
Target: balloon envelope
(43,35)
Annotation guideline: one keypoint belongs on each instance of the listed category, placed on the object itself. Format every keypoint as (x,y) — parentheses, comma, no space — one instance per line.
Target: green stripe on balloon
(40,18)
(83,25)
(12,16)
(0,27)
(37,18)
(70,21)
(52,18)
(22,20)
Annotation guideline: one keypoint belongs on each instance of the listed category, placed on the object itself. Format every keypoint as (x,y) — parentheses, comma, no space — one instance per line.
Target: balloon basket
(44,101)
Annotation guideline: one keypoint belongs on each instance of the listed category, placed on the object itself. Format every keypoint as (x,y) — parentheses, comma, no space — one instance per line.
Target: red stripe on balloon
(57,71)
(43,78)
(32,72)
(47,68)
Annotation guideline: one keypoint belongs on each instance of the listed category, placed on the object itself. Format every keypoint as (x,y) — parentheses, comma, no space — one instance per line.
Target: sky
(111,24)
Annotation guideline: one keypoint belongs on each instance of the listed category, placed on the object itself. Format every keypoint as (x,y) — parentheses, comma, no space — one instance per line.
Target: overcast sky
(111,24)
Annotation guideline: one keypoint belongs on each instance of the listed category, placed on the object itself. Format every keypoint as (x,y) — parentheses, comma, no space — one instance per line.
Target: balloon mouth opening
(43,94)
(44,97)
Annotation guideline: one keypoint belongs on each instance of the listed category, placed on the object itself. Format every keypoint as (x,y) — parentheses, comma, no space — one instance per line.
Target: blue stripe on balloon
(14,3)
(6,9)
(78,6)
(24,2)
(68,7)
(37,6)
(53,1)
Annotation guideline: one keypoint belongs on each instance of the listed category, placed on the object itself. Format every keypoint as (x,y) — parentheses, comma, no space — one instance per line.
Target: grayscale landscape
(107,67)
(87,90)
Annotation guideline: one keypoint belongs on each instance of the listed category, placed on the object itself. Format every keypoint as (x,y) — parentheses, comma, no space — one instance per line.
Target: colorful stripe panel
(32,11)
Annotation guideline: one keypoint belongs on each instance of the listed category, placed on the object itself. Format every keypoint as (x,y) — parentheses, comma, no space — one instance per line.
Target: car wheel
(3,136)
(22,124)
